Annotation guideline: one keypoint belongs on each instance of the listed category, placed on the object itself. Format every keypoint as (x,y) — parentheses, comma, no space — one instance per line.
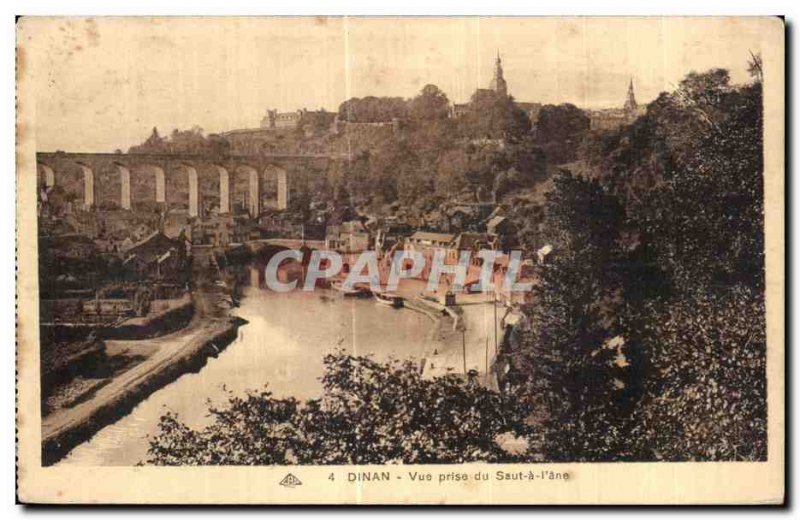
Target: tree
(317,122)
(190,141)
(705,218)
(529,160)
(703,340)
(153,144)
(369,413)
(450,170)
(494,116)
(690,174)
(691,277)
(561,129)
(373,109)
(705,397)
(574,369)
(431,103)
(561,122)
(506,182)
(217,145)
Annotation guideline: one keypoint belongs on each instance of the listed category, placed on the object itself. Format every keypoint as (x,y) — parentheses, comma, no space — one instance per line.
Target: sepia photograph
(400,260)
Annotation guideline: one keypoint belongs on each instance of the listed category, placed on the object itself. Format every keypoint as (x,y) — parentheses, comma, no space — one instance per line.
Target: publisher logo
(290,481)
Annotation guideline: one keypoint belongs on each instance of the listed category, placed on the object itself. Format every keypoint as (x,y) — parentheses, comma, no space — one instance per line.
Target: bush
(706,397)
(369,413)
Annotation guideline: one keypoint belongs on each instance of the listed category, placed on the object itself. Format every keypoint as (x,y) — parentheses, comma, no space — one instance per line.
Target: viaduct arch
(155,175)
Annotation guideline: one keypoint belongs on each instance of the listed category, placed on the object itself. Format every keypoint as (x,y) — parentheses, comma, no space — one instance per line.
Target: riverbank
(168,316)
(210,330)
(464,334)
(283,346)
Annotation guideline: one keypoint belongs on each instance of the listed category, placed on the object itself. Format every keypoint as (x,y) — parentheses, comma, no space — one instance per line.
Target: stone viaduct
(193,182)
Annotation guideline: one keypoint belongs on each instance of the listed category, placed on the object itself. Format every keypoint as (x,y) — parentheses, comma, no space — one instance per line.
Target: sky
(104,83)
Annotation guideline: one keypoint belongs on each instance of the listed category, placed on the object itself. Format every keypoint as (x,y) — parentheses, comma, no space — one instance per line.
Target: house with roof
(348,237)
(426,240)
(390,232)
(157,256)
(460,217)
(501,232)
(427,243)
(467,241)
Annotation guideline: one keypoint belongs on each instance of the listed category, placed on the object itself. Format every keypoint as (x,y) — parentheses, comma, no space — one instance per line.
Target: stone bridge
(197,183)
(286,243)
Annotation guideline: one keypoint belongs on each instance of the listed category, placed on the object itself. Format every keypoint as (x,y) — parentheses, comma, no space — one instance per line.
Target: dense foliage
(491,115)
(430,104)
(373,109)
(560,130)
(647,335)
(705,398)
(191,141)
(369,413)
(484,153)
(315,122)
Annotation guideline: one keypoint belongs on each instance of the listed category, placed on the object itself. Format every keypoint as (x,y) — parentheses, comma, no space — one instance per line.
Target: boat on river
(358,290)
(392,300)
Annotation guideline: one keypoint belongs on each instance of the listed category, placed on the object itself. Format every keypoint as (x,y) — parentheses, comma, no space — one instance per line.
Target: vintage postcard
(441,260)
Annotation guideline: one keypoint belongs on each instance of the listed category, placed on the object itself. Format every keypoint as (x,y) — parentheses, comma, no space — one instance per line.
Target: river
(282,346)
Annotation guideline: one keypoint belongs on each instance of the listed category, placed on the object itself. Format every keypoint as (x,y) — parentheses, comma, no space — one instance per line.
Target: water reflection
(282,346)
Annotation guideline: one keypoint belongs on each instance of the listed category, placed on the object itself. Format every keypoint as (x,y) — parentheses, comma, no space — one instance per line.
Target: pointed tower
(630,99)
(498,83)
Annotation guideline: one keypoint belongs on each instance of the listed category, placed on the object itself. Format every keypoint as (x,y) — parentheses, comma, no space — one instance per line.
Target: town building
(599,119)
(499,85)
(467,241)
(427,243)
(225,230)
(613,118)
(425,240)
(348,237)
(275,119)
(391,232)
(465,216)
(157,257)
(501,232)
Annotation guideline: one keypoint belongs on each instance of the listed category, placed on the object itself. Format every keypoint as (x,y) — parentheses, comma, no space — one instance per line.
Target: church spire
(498,83)
(630,99)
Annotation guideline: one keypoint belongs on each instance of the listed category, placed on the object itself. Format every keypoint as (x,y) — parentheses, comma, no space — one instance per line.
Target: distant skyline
(104,83)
